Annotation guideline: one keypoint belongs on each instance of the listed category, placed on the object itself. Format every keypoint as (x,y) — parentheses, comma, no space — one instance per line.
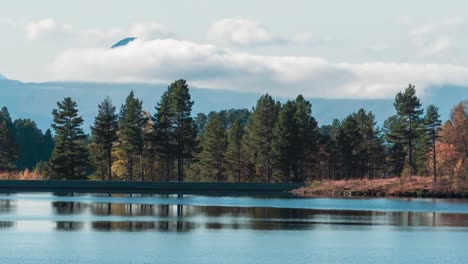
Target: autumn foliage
(452,149)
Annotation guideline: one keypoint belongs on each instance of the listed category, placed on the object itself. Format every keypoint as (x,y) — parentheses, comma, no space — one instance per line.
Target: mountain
(2,77)
(36,100)
(123,42)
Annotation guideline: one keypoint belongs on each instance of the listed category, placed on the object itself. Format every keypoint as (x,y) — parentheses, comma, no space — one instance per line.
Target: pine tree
(349,139)
(213,156)
(104,136)
(284,142)
(69,159)
(30,142)
(185,131)
(260,134)
(306,149)
(8,147)
(164,135)
(408,107)
(48,145)
(131,123)
(234,151)
(5,116)
(8,150)
(395,144)
(371,148)
(433,125)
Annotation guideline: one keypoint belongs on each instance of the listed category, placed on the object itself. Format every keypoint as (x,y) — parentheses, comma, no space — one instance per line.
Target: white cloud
(238,31)
(437,27)
(145,29)
(305,38)
(247,33)
(163,60)
(35,29)
(6,21)
(379,47)
(435,38)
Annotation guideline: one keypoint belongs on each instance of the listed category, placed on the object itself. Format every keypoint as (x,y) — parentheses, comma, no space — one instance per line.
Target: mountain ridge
(36,100)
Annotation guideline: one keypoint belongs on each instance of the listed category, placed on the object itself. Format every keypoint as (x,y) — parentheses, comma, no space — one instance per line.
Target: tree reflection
(69,226)
(7,206)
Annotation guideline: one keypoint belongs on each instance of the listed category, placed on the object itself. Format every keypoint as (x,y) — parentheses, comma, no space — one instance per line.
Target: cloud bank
(144,29)
(208,66)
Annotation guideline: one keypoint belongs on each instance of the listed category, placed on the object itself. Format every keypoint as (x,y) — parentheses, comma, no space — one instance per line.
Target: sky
(327,49)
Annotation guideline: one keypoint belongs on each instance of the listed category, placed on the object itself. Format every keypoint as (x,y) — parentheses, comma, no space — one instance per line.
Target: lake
(102,228)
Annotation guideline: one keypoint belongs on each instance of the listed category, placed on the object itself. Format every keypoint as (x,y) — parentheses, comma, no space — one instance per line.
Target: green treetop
(69,159)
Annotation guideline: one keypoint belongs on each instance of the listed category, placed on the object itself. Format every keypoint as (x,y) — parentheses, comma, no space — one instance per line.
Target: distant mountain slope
(123,42)
(36,100)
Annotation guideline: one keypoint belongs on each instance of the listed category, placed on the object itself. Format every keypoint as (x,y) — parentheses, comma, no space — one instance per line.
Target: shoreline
(414,187)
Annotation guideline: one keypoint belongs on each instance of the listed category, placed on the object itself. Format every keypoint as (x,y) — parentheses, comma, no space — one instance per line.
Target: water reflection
(7,206)
(168,226)
(6,224)
(183,218)
(86,214)
(66,208)
(69,226)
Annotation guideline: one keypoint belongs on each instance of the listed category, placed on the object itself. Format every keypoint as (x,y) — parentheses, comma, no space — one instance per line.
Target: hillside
(36,100)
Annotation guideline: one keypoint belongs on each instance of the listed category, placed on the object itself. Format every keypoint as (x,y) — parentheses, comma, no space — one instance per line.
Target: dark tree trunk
(109,164)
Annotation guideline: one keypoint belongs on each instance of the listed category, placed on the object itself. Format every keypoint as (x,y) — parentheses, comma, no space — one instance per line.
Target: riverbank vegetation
(272,142)
(416,186)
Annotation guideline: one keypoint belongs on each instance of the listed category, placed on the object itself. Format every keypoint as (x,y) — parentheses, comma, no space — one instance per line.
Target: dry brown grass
(393,187)
(22,175)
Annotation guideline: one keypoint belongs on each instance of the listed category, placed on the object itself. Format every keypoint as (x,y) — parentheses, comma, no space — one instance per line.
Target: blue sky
(330,49)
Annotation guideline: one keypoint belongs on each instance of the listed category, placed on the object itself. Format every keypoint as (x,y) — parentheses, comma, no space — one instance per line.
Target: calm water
(47,228)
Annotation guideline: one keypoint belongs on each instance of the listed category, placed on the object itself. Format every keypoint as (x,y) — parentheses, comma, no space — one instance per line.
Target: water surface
(90,228)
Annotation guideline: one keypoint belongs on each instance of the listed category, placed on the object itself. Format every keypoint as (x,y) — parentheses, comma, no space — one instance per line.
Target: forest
(272,142)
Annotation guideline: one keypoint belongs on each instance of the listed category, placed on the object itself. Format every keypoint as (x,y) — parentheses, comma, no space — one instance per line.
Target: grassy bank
(415,186)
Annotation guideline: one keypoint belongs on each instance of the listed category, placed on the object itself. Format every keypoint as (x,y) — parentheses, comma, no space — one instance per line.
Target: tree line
(272,142)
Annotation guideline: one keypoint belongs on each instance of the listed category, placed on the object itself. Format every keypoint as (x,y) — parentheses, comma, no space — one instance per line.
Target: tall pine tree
(284,142)
(8,149)
(235,155)
(163,134)
(104,135)
(433,125)
(213,156)
(260,134)
(69,159)
(185,131)
(409,110)
(131,123)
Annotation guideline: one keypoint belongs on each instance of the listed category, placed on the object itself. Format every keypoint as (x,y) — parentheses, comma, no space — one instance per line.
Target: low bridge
(10,186)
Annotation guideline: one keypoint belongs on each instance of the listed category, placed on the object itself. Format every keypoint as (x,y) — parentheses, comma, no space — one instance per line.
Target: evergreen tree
(48,145)
(260,134)
(306,150)
(8,147)
(104,136)
(395,145)
(333,150)
(30,141)
(131,123)
(234,151)
(8,150)
(349,139)
(185,131)
(213,156)
(164,134)
(69,158)
(285,139)
(200,122)
(5,116)
(371,150)
(433,125)
(408,109)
